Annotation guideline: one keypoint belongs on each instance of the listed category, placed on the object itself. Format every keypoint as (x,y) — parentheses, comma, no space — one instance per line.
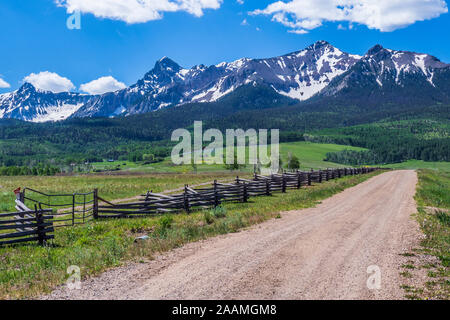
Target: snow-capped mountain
(394,75)
(298,75)
(320,71)
(30,104)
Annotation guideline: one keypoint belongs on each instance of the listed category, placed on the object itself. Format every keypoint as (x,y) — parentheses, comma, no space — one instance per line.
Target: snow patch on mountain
(56,112)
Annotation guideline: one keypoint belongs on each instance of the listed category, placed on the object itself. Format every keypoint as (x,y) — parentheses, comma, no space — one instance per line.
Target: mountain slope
(389,76)
(31,104)
(298,75)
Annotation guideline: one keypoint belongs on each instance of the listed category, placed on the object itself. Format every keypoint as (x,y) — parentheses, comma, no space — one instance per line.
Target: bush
(208,217)
(165,223)
(219,212)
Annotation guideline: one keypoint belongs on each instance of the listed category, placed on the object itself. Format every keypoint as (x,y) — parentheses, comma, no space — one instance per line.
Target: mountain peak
(375,49)
(322,43)
(318,45)
(27,87)
(166,63)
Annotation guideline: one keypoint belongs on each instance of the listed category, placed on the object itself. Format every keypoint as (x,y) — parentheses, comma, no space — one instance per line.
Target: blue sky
(126,43)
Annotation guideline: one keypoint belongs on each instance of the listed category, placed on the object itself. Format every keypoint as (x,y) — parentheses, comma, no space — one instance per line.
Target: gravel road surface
(317,253)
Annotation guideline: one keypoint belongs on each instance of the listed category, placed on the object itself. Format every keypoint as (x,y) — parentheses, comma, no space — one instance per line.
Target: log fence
(240,190)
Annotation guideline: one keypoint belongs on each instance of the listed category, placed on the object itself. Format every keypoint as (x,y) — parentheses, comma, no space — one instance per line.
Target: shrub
(165,222)
(219,212)
(208,217)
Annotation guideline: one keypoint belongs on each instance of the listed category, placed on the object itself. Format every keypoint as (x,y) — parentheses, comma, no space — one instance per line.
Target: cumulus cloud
(49,81)
(102,85)
(137,11)
(4,84)
(383,15)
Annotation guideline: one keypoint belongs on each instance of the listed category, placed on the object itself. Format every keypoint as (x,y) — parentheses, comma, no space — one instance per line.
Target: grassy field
(26,271)
(419,164)
(310,155)
(433,201)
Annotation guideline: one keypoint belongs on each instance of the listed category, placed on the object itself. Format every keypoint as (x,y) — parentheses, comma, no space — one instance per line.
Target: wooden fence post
(320,176)
(73,209)
(328,175)
(40,227)
(245,193)
(283,184)
(268,187)
(309,178)
(299,180)
(186,199)
(216,195)
(95,204)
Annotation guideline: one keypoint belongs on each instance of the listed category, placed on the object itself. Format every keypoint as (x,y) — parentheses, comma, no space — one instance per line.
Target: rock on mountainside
(30,104)
(320,71)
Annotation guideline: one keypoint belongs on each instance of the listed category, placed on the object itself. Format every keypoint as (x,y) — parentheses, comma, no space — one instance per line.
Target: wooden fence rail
(28,225)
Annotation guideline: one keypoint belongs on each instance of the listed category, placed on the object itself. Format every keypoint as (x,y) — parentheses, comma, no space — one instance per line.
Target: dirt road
(318,253)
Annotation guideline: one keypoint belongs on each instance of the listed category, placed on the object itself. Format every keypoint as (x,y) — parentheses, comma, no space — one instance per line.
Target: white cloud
(383,15)
(137,11)
(102,85)
(49,81)
(4,84)
(244,22)
(240,1)
(298,31)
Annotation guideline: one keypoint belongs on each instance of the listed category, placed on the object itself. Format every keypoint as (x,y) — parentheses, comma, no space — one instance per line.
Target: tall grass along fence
(79,208)
(26,225)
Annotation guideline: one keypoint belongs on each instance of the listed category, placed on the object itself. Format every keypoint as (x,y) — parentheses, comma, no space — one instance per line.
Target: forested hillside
(392,132)
(390,142)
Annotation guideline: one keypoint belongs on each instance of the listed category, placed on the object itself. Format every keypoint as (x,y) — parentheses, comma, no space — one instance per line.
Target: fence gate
(69,209)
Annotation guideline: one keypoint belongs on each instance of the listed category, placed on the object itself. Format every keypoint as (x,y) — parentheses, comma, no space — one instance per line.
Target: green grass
(433,200)
(29,270)
(433,189)
(419,164)
(310,155)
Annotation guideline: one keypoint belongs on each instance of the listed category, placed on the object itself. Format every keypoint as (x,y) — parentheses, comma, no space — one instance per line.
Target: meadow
(310,155)
(419,164)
